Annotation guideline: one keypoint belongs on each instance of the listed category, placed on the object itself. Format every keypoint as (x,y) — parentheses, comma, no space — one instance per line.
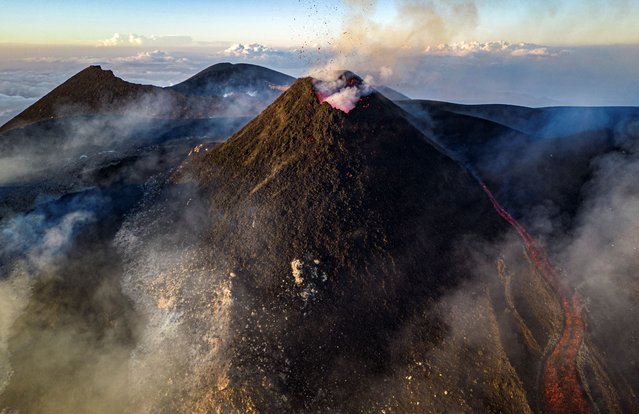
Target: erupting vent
(343,93)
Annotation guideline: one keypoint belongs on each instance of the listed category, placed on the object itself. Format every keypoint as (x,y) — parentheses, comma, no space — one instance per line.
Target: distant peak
(96,70)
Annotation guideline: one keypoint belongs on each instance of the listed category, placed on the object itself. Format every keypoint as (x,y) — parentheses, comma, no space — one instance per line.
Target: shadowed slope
(340,229)
(94,91)
(225,79)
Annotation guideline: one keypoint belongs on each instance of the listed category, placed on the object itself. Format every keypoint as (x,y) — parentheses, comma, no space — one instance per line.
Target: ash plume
(382,49)
(343,92)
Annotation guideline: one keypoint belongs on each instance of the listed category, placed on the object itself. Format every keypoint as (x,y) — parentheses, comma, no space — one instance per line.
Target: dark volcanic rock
(94,91)
(340,228)
(225,79)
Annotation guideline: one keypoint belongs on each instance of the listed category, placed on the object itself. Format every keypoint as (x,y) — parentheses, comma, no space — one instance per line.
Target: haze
(528,53)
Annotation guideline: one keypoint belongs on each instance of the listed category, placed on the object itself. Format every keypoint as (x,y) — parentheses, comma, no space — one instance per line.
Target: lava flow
(562,392)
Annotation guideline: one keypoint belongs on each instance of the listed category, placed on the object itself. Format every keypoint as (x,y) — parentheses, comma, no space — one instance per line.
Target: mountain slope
(227,79)
(561,147)
(551,180)
(298,146)
(94,91)
(341,232)
(548,122)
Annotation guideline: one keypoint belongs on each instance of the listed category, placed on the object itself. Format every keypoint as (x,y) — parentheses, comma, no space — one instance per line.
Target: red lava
(562,392)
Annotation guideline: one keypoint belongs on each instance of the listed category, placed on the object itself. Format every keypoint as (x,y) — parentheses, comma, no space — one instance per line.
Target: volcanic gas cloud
(342,93)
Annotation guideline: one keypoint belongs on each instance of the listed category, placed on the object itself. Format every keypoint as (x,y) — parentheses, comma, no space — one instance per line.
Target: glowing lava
(343,93)
(562,392)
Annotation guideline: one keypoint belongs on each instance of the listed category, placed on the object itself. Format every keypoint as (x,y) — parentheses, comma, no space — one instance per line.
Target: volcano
(321,183)
(340,231)
(338,253)
(94,91)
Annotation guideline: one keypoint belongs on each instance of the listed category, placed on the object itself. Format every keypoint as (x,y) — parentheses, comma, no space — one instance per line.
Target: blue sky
(86,22)
(533,53)
(287,23)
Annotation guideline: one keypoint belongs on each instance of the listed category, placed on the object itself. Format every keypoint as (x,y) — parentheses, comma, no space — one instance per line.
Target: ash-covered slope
(340,232)
(325,175)
(94,91)
(227,79)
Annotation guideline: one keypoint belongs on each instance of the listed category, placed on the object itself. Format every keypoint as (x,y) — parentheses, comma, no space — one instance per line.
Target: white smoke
(342,93)
(40,239)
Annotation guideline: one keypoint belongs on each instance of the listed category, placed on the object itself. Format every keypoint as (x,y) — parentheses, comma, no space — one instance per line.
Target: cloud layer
(467,72)
(131,39)
(501,48)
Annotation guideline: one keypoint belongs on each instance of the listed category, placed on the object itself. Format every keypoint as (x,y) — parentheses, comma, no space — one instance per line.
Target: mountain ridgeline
(222,90)
(95,91)
(237,243)
(228,79)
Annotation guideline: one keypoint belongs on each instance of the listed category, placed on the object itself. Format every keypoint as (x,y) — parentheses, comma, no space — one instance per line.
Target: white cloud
(155,56)
(11,106)
(470,72)
(132,39)
(495,48)
(256,51)
(27,84)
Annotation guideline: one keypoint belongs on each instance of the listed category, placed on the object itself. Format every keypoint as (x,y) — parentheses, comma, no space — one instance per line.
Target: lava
(562,392)
(343,93)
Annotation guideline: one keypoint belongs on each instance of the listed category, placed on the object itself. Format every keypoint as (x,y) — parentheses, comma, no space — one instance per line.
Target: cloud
(256,51)
(155,56)
(11,106)
(131,39)
(27,84)
(501,48)
(21,88)
(462,71)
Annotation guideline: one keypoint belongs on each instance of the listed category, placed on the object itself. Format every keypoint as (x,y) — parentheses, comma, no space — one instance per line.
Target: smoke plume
(381,49)
(342,93)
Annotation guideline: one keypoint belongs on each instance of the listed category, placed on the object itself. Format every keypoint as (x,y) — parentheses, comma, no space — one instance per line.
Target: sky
(283,23)
(533,53)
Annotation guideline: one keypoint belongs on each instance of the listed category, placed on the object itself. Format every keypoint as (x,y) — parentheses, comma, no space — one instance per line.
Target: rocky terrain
(426,257)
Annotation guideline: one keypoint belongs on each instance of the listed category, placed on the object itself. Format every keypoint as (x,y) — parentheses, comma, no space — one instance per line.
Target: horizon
(472,52)
(339,224)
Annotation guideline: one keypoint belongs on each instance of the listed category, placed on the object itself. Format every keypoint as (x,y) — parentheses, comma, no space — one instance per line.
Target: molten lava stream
(562,392)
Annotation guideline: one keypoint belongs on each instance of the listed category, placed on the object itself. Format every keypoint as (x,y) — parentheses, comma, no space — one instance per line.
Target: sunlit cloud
(155,56)
(131,39)
(496,48)
(256,51)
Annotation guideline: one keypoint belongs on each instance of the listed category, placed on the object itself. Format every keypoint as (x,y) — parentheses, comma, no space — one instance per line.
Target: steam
(381,49)
(33,245)
(66,289)
(49,151)
(342,93)
(601,255)
(154,328)
(14,295)
(43,242)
